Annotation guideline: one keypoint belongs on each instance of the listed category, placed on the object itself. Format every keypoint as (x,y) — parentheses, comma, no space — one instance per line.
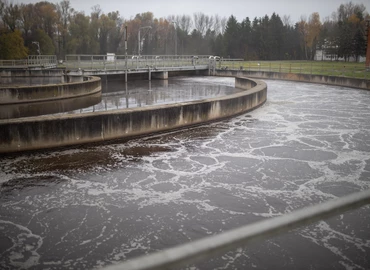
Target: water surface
(81,208)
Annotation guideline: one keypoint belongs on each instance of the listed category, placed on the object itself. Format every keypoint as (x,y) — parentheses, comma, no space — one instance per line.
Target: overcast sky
(239,8)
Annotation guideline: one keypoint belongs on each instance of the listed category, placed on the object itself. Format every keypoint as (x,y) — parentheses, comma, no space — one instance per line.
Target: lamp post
(175,24)
(139,39)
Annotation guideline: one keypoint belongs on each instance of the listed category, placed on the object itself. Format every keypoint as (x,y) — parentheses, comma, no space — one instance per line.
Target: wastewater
(97,205)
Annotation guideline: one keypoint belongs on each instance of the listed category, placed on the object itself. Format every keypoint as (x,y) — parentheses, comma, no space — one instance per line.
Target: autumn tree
(46,18)
(94,29)
(309,32)
(11,45)
(27,18)
(314,28)
(64,11)
(79,40)
(11,16)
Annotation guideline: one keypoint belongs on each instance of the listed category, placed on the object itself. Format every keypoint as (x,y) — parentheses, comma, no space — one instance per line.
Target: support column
(163,75)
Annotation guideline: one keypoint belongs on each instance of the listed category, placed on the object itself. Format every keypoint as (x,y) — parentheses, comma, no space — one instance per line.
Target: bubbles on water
(105,203)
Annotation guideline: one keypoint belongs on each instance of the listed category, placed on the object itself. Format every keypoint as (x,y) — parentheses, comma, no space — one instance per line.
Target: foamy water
(97,205)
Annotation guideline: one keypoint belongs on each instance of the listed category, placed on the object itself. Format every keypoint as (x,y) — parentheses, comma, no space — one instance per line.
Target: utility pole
(126,53)
(368,45)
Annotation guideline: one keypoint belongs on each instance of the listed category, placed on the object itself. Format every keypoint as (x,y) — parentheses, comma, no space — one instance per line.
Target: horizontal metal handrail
(210,246)
(120,62)
(31,61)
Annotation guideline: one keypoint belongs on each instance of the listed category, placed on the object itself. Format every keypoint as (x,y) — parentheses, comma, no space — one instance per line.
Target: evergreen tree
(232,38)
(245,39)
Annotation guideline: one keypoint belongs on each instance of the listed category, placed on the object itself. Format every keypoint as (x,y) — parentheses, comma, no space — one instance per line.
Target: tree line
(47,28)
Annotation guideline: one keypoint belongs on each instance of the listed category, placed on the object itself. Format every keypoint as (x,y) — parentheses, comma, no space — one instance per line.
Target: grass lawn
(345,69)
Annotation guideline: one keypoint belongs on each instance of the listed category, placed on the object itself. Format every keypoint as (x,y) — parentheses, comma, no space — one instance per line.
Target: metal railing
(118,62)
(218,244)
(341,69)
(13,63)
(46,61)
(33,61)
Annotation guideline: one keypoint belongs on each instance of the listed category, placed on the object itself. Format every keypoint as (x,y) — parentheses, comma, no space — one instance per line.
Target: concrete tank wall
(38,93)
(323,79)
(49,131)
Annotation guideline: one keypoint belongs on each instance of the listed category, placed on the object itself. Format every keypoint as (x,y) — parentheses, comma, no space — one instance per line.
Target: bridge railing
(118,62)
(341,69)
(46,61)
(208,247)
(33,61)
(13,63)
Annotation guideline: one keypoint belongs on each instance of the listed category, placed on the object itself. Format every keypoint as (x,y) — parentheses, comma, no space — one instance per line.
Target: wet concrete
(94,206)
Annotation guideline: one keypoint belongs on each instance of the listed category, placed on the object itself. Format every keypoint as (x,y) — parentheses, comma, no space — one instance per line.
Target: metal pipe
(218,244)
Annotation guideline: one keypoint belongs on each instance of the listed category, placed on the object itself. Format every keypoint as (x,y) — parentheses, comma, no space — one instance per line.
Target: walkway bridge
(155,65)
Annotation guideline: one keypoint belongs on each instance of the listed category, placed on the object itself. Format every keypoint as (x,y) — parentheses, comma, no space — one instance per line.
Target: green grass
(344,69)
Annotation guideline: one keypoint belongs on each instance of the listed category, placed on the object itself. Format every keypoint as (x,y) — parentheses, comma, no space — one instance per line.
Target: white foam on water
(290,153)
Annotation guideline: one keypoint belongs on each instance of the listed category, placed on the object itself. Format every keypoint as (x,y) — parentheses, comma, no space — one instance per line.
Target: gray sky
(239,8)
